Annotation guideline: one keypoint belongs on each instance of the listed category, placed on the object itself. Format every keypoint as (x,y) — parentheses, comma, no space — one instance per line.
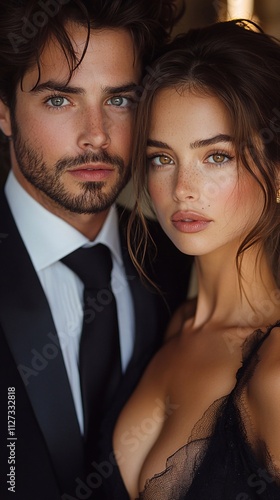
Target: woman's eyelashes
(218,158)
(159,160)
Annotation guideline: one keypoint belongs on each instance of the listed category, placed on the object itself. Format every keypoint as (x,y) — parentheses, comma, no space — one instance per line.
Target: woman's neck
(229,298)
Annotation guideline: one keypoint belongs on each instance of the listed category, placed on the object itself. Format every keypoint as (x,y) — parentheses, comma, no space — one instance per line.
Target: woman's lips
(189,222)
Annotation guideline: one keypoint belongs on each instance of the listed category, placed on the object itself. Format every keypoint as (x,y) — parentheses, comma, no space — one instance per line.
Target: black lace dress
(218,462)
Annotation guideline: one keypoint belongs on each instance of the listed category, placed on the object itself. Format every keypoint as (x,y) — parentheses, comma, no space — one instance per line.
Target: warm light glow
(240,9)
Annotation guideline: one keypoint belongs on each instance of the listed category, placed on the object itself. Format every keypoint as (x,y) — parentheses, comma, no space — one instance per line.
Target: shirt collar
(49,238)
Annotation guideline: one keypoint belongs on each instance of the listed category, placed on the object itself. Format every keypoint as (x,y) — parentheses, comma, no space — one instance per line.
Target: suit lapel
(32,337)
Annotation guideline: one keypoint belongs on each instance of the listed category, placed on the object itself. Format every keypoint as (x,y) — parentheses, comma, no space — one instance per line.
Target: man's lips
(92,166)
(92,171)
(189,222)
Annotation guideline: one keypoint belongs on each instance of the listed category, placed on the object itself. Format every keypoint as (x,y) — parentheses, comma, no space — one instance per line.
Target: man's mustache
(89,157)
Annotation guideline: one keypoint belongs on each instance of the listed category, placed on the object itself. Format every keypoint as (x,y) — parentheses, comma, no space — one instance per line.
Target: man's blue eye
(57,101)
(119,101)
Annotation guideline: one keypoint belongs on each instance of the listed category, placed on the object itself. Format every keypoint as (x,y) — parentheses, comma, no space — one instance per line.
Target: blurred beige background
(201,12)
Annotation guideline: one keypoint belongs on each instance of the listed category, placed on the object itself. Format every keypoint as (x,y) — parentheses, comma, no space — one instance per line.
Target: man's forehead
(109,47)
(54,63)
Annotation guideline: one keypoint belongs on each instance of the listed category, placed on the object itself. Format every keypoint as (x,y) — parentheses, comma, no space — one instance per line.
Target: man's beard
(48,181)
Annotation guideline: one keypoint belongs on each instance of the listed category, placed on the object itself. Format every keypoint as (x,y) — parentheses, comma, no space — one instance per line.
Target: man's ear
(5,119)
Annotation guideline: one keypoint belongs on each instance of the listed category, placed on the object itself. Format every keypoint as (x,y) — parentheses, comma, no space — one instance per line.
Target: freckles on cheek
(155,189)
(215,188)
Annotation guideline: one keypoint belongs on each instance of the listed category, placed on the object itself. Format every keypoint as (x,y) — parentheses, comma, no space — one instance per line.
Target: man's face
(72,141)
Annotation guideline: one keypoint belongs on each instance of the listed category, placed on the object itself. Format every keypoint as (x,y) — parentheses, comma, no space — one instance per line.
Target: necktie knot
(93,265)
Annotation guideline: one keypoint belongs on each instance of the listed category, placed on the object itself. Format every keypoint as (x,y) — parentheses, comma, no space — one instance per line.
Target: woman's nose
(186,185)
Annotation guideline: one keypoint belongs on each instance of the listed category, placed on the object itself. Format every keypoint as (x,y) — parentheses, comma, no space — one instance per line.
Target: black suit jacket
(49,454)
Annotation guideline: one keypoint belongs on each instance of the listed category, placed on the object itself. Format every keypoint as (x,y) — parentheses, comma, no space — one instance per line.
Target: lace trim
(181,467)
(184,462)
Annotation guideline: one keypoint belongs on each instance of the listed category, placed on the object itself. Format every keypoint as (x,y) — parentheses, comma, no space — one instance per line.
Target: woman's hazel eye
(218,158)
(164,160)
(161,160)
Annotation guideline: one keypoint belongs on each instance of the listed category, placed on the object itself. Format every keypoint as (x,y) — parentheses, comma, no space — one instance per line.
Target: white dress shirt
(48,239)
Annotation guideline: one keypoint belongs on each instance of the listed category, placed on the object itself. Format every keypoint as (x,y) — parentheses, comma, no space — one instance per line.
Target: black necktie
(99,356)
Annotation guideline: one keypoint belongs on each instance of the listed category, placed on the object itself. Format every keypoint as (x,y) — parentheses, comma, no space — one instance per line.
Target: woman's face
(202,200)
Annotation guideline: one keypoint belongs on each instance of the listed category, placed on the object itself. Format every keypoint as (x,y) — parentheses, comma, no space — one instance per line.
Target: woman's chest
(193,397)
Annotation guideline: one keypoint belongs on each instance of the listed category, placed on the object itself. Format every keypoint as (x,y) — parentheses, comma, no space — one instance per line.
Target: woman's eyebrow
(157,144)
(194,145)
(212,140)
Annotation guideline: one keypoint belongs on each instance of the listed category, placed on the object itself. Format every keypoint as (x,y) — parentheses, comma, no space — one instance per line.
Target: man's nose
(94,132)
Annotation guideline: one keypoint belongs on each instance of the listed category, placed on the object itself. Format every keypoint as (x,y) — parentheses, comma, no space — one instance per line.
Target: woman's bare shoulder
(266,375)
(263,395)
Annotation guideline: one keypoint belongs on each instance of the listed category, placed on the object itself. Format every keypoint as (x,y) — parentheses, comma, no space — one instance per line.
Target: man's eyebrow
(212,140)
(128,87)
(52,85)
